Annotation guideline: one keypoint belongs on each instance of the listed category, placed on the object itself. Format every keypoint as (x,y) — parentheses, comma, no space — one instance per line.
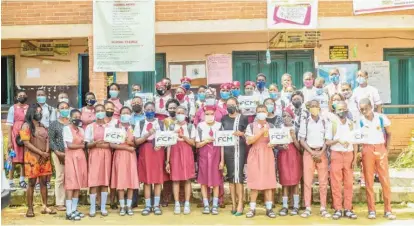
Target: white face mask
(66,100)
(209,118)
(180,118)
(261,116)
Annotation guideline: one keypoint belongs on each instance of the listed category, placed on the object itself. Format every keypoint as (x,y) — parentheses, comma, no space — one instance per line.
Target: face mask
(76,122)
(288,96)
(186,86)
(64,113)
(209,118)
(161,92)
(314,111)
(91,102)
(225,95)
(342,115)
(135,93)
(180,118)
(297,103)
(109,114)
(125,118)
(22,100)
(201,96)
(248,92)
(113,93)
(270,107)
(347,94)
(180,96)
(334,103)
(149,114)
(168,87)
(261,116)
(231,109)
(172,113)
(308,83)
(210,102)
(334,79)
(319,91)
(261,84)
(100,115)
(37,116)
(274,95)
(235,92)
(41,99)
(66,100)
(137,108)
(361,80)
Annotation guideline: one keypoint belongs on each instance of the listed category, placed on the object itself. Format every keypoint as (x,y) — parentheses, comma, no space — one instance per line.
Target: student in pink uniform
(76,169)
(114,98)
(235,89)
(186,84)
(224,95)
(261,172)
(124,166)
(161,99)
(210,101)
(180,159)
(185,102)
(15,120)
(88,111)
(100,160)
(151,159)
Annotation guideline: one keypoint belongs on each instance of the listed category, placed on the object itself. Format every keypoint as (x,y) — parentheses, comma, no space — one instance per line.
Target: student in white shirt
(287,94)
(321,96)
(308,90)
(312,138)
(48,114)
(279,103)
(375,155)
(334,78)
(261,91)
(286,82)
(366,91)
(343,161)
(346,91)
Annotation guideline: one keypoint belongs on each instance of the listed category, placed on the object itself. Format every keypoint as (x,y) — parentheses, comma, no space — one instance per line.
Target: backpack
(381,119)
(307,122)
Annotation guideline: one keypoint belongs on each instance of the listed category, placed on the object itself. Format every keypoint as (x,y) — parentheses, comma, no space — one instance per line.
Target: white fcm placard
(279,136)
(247,102)
(224,138)
(114,135)
(165,138)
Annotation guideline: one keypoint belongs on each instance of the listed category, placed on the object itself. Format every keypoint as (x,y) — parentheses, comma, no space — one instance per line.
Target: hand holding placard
(224,138)
(165,138)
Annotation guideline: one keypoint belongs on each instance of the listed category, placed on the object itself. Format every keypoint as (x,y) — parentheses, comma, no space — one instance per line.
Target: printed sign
(292,14)
(279,136)
(114,135)
(247,102)
(219,68)
(338,52)
(224,138)
(45,47)
(374,6)
(146,97)
(295,39)
(165,138)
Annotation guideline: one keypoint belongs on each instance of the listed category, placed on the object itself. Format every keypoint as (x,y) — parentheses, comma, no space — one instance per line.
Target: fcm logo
(165,139)
(225,139)
(278,136)
(114,135)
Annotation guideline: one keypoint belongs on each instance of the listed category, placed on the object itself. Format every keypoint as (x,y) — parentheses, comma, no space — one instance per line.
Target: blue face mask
(186,86)
(201,96)
(270,107)
(41,99)
(274,95)
(334,78)
(113,93)
(261,84)
(125,118)
(64,113)
(235,92)
(288,96)
(100,115)
(361,80)
(319,91)
(225,95)
(149,114)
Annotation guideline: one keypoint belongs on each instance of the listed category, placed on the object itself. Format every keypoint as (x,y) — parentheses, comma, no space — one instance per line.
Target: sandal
(113,206)
(306,213)
(270,213)
(81,215)
(390,216)
(22,184)
(129,211)
(350,214)
(251,213)
(73,217)
(325,213)
(214,210)
(337,215)
(283,212)
(60,208)
(46,210)
(30,213)
(122,211)
(372,215)
(146,211)
(294,212)
(157,210)
(206,210)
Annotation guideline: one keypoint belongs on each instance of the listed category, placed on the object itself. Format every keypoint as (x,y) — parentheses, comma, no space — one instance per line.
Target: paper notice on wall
(124,35)
(292,14)
(219,69)
(374,6)
(195,71)
(175,73)
(33,73)
(379,77)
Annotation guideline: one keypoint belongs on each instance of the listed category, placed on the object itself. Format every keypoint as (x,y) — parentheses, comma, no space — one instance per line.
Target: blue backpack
(361,123)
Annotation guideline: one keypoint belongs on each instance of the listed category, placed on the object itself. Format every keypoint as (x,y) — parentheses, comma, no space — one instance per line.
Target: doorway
(83,77)
(7,80)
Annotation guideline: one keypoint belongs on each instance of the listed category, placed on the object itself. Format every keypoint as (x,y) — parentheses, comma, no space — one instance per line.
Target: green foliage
(405,159)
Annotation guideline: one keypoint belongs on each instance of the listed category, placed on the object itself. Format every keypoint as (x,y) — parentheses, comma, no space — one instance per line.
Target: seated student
(312,138)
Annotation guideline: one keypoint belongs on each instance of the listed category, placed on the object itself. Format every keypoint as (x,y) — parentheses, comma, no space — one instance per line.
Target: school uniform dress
(161,111)
(124,166)
(190,97)
(181,154)
(235,156)
(118,106)
(100,159)
(76,168)
(218,115)
(88,116)
(289,163)
(261,172)
(15,119)
(209,156)
(150,161)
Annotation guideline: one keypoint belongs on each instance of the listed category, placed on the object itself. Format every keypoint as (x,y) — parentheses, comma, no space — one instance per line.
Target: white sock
(205,202)
(129,202)
(122,203)
(285,201)
(92,198)
(21,178)
(147,202)
(215,201)
(68,207)
(187,203)
(296,201)
(74,204)
(268,205)
(177,203)
(11,181)
(157,201)
(252,205)
(104,197)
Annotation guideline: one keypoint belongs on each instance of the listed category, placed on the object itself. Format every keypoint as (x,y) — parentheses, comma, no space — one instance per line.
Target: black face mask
(168,87)
(22,100)
(109,114)
(172,113)
(77,122)
(297,104)
(160,92)
(37,117)
(90,102)
(231,109)
(137,108)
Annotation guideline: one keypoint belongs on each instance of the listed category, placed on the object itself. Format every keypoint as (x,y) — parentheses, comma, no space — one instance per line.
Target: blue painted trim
(80,97)
(114,77)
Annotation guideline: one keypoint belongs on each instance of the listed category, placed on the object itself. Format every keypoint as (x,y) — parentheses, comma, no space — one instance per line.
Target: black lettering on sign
(225,139)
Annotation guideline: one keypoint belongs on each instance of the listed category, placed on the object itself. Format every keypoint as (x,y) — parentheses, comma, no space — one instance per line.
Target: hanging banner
(124,35)
(219,69)
(374,6)
(292,14)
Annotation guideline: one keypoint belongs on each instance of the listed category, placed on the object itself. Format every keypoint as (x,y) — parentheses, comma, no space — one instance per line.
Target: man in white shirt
(308,90)
(366,91)
(48,114)
(343,160)
(136,90)
(261,92)
(312,138)
(334,87)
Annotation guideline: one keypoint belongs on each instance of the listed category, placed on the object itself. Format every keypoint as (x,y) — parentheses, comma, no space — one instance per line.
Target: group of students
(318,119)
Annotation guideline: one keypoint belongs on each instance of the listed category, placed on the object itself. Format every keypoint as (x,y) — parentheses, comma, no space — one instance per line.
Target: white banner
(123,35)
(224,138)
(247,102)
(374,6)
(114,135)
(292,14)
(165,138)
(279,136)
